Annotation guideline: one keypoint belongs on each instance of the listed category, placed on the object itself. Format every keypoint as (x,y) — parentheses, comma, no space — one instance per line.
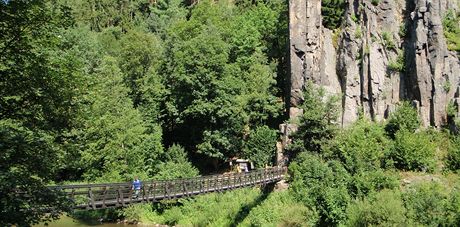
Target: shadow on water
(67,221)
(245,210)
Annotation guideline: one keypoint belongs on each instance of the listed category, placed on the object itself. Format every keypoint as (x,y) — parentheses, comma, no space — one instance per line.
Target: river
(66,221)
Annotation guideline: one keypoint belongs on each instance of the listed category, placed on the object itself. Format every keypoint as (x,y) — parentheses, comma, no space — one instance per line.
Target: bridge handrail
(128,184)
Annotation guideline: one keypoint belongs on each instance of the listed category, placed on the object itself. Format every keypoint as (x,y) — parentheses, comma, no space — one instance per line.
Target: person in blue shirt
(137,185)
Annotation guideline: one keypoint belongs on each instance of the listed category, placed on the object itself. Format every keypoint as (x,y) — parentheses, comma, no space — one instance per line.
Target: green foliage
(27,160)
(384,208)
(358,33)
(174,164)
(362,147)
(219,77)
(375,2)
(427,204)
(367,182)
(447,86)
(261,146)
(207,210)
(387,40)
(114,132)
(321,184)
(413,151)
(316,123)
(280,209)
(399,64)
(38,86)
(453,156)
(451,109)
(333,13)
(143,213)
(402,30)
(451,27)
(405,117)
(354,18)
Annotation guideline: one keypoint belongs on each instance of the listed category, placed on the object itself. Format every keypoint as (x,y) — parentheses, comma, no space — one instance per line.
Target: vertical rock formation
(384,53)
(433,70)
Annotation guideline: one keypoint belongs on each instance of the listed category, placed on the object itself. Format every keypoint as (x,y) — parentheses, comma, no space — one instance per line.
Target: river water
(66,221)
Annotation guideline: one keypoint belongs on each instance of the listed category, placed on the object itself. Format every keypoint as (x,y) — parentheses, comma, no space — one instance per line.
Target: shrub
(174,165)
(453,216)
(362,147)
(384,208)
(453,155)
(427,203)
(405,117)
(139,213)
(451,25)
(358,33)
(261,146)
(397,65)
(413,151)
(333,12)
(375,2)
(316,124)
(388,40)
(216,209)
(280,209)
(367,182)
(321,184)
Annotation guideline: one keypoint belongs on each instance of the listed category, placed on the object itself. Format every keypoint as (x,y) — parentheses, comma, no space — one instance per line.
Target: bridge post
(91,198)
(120,196)
(104,195)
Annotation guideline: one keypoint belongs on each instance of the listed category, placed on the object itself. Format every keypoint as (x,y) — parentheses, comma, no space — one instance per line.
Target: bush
(427,204)
(321,184)
(333,13)
(216,209)
(261,146)
(451,27)
(388,40)
(413,151)
(367,182)
(316,124)
(140,213)
(280,209)
(398,65)
(362,147)
(174,165)
(453,155)
(405,117)
(384,208)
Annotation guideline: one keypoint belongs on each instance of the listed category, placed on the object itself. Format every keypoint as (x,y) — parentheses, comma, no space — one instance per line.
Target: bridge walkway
(101,196)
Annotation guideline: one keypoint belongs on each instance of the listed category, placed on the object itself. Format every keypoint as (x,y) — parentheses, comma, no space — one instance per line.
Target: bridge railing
(99,196)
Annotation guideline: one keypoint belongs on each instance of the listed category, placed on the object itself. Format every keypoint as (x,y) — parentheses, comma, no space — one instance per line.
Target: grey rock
(357,67)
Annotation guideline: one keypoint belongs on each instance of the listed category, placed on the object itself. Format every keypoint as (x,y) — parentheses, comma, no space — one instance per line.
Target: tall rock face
(385,52)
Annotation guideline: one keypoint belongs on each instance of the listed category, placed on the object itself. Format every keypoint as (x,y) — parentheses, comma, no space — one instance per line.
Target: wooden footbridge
(101,196)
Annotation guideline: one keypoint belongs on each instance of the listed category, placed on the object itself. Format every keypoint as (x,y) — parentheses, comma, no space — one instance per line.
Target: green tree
(38,86)
(115,139)
(413,151)
(321,184)
(384,208)
(260,147)
(316,126)
(405,117)
(174,164)
(362,147)
(220,82)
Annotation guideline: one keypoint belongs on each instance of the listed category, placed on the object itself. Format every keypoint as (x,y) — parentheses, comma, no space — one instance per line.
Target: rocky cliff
(384,52)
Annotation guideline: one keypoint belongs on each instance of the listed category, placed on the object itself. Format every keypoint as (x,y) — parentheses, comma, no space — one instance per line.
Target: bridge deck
(100,196)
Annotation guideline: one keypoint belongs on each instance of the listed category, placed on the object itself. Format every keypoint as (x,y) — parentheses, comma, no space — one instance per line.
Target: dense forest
(102,91)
